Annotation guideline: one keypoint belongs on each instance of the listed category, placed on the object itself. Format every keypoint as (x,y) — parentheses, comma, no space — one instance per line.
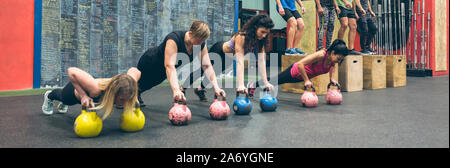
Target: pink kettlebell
(309,98)
(179,114)
(334,96)
(219,109)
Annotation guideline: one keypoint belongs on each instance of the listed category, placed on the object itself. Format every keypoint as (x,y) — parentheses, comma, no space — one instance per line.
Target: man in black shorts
(287,9)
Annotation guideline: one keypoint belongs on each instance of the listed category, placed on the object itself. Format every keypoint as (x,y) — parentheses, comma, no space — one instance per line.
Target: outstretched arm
(170,57)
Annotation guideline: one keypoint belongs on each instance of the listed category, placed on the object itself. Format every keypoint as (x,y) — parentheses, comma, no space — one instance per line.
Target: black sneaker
(141,103)
(201,94)
(353,52)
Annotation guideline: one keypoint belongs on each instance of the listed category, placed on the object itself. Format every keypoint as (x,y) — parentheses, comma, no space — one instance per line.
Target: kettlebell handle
(237,94)
(312,87)
(223,97)
(267,90)
(337,84)
(183,102)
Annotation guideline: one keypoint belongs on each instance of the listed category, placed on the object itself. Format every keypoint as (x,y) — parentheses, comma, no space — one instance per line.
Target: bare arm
(358,4)
(319,6)
(209,70)
(301,6)
(331,73)
(170,57)
(262,66)
(134,73)
(300,3)
(370,10)
(279,4)
(239,52)
(280,8)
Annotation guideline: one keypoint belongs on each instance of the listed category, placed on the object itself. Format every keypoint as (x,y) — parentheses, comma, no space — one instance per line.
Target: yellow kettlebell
(88,124)
(132,121)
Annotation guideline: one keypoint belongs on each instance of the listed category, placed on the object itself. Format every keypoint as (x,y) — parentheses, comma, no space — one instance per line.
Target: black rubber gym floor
(412,116)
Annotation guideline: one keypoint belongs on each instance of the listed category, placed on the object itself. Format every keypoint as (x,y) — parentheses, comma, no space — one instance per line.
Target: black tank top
(155,56)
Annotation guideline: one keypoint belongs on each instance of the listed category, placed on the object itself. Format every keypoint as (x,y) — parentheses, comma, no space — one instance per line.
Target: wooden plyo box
(395,70)
(320,82)
(374,72)
(351,73)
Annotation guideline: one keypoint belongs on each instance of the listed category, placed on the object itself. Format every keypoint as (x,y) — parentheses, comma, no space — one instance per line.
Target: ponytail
(339,47)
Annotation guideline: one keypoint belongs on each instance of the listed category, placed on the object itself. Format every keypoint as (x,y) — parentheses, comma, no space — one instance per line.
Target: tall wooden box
(351,73)
(395,70)
(374,71)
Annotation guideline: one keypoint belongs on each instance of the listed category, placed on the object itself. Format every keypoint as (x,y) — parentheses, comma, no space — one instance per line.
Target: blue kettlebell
(242,105)
(268,102)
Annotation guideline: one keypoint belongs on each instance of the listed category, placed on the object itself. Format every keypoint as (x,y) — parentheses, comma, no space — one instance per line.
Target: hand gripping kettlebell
(309,98)
(87,124)
(268,102)
(179,114)
(334,96)
(242,105)
(219,109)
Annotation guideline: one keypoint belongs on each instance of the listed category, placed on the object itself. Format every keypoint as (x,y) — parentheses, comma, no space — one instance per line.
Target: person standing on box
(347,17)
(288,10)
(366,27)
(326,11)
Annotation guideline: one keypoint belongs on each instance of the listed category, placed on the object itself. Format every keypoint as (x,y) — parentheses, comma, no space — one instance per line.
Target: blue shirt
(289,4)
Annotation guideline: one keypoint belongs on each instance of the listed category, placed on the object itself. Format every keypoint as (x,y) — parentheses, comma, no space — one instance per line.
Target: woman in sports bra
(318,63)
(251,39)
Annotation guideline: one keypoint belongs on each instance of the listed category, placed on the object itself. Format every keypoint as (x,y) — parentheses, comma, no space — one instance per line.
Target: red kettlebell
(334,96)
(179,114)
(309,98)
(219,109)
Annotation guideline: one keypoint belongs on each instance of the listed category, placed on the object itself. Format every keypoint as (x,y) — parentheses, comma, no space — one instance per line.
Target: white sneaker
(47,107)
(62,108)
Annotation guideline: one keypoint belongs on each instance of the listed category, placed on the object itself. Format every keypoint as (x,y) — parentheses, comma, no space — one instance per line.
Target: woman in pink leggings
(313,65)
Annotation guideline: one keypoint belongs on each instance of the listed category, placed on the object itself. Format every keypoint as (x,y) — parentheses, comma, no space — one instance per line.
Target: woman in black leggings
(83,89)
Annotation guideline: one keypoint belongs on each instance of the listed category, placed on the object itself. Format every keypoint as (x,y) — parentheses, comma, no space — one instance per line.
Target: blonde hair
(117,85)
(200,30)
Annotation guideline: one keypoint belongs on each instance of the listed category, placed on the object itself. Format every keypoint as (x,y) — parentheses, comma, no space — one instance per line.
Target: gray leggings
(326,22)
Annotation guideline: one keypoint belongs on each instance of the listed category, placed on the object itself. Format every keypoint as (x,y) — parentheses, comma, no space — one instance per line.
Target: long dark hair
(249,31)
(339,47)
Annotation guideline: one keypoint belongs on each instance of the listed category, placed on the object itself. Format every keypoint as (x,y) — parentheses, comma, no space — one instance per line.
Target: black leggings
(65,95)
(281,78)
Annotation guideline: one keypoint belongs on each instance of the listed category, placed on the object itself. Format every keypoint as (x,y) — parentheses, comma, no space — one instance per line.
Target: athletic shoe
(290,51)
(62,108)
(299,52)
(201,94)
(47,106)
